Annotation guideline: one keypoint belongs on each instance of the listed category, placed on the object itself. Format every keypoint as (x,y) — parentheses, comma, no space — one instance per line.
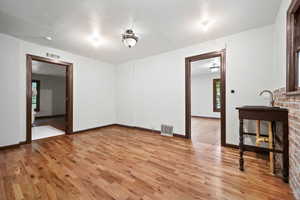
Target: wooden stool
(266,139)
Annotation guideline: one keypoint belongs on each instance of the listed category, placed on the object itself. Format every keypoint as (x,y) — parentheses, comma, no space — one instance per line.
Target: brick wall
(293,104)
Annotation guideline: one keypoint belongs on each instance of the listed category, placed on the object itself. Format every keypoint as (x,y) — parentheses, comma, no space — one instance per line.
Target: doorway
(216,114)
(49,98)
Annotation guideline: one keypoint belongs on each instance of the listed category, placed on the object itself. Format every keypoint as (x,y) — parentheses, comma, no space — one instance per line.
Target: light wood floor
(206,130)
(127,164)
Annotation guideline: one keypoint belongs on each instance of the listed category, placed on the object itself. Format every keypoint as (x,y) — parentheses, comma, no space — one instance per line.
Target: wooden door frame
(188,61)
(69,92)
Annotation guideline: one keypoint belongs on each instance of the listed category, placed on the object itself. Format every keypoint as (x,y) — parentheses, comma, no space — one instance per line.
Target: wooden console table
(271,114)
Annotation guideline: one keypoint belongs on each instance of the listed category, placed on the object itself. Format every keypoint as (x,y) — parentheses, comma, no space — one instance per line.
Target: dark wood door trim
(292,48)
(188,61)
(69,92)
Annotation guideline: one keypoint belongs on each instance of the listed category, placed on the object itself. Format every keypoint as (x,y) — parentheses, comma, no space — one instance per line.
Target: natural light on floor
(40,132)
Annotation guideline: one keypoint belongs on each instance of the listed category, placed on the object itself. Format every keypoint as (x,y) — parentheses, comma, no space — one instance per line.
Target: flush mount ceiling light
(129,38)
(205,24)
(214,68)
(96,40)
(48,38)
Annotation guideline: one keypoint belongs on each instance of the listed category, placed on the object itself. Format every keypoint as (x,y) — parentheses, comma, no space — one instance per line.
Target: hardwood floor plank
(206,130)
(118,163)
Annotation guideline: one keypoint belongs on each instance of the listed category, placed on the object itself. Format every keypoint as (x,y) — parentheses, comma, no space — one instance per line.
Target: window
(217,95)
(293,48)
(36,98)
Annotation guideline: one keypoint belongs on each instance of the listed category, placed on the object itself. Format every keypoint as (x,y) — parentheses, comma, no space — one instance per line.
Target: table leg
(271,147)
(241,145)
(285,155)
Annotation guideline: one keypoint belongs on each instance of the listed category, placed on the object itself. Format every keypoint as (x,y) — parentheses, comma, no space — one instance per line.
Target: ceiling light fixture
(96,40)
(214,68)
(48,38)
(205,24)
(129,38)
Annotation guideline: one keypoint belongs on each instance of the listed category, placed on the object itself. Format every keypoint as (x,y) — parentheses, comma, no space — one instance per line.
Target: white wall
(280,45)
(9,87)
(202,95)
(93,89)
(52,95)
(151,91)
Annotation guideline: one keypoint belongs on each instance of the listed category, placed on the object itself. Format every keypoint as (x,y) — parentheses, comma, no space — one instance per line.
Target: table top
(262,108)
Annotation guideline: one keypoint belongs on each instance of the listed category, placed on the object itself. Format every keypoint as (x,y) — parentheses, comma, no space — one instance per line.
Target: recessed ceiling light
(96,40)
(205,24)
(214,67)
(48,38)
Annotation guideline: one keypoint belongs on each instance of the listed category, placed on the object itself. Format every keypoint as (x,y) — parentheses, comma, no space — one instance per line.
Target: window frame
(215,108)
(38,83)
(293,49)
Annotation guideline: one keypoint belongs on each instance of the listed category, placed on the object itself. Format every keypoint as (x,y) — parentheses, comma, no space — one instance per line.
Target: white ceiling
(43,68)
(202,67)
(162,25)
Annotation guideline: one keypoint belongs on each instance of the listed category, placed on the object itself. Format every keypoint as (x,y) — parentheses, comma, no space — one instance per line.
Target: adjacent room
(150,100)
(206,101)
(48,100)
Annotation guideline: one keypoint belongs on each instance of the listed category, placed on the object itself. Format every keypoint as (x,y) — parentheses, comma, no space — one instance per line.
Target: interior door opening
(49,98)
(205,98)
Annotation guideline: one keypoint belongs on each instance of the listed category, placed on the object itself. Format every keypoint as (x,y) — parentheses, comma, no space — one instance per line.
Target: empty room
(150,100)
